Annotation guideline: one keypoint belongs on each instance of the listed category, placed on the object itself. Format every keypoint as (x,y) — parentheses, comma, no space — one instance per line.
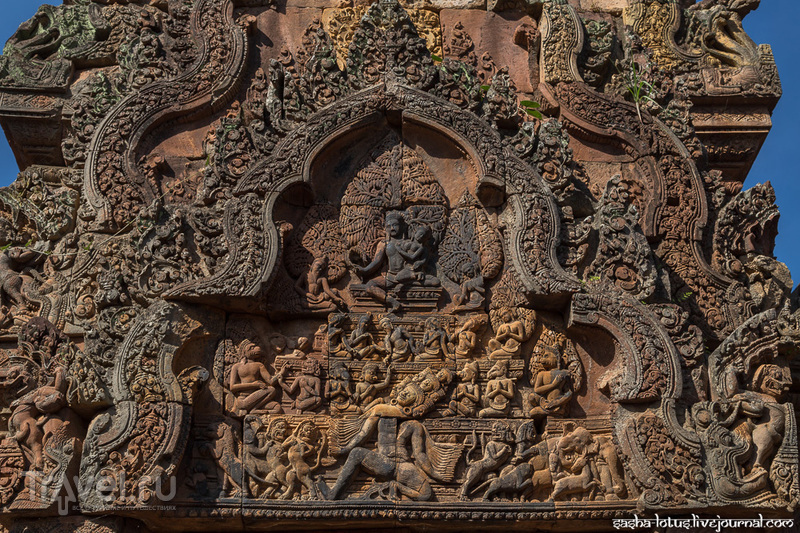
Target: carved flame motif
(396,179)
(470,244)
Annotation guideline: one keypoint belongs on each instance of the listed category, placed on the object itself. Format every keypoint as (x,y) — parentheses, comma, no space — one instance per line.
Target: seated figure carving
(399,344)
(507,342)
(253,387)
(338,345)
(500,391)
(362,343)
(405,260)
(466,337)
(316,289)
(366,395)
(309,385)
(434,342)
(472,287)
(467,394)
(551,386)
(415,252)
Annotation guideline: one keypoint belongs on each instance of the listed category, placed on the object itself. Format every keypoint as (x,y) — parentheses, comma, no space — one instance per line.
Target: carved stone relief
(357,266)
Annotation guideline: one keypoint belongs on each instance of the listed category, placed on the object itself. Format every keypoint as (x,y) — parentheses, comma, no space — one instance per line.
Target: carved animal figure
(572,466)
(527,473)
(727,451)
(267,464)
(221,446)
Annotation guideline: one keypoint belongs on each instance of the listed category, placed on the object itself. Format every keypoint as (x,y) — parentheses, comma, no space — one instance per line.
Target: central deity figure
(405,261)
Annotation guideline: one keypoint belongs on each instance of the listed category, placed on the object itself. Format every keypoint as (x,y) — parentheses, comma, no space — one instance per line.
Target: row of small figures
(256,391)
(436,344)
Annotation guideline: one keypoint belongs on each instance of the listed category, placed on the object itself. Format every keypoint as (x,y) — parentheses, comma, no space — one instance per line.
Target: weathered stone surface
(445,4)
(604,6)
(497,35)
(351,265)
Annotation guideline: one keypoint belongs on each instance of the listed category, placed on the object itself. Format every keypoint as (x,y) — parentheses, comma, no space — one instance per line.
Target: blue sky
(774,23)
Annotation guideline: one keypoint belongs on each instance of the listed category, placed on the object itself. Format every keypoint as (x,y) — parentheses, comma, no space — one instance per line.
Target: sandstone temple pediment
(280,265)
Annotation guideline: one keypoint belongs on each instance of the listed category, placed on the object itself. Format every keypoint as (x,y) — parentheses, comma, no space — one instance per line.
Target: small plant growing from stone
(532,108)
(683,297)
(639,88)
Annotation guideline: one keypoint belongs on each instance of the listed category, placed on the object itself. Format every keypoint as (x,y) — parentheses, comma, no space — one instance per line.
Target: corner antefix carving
(298,265)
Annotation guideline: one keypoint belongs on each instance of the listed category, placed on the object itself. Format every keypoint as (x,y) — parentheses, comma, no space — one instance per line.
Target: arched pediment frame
(673,203)
(112,175)
(138,443)
(255,243)
(649,368)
